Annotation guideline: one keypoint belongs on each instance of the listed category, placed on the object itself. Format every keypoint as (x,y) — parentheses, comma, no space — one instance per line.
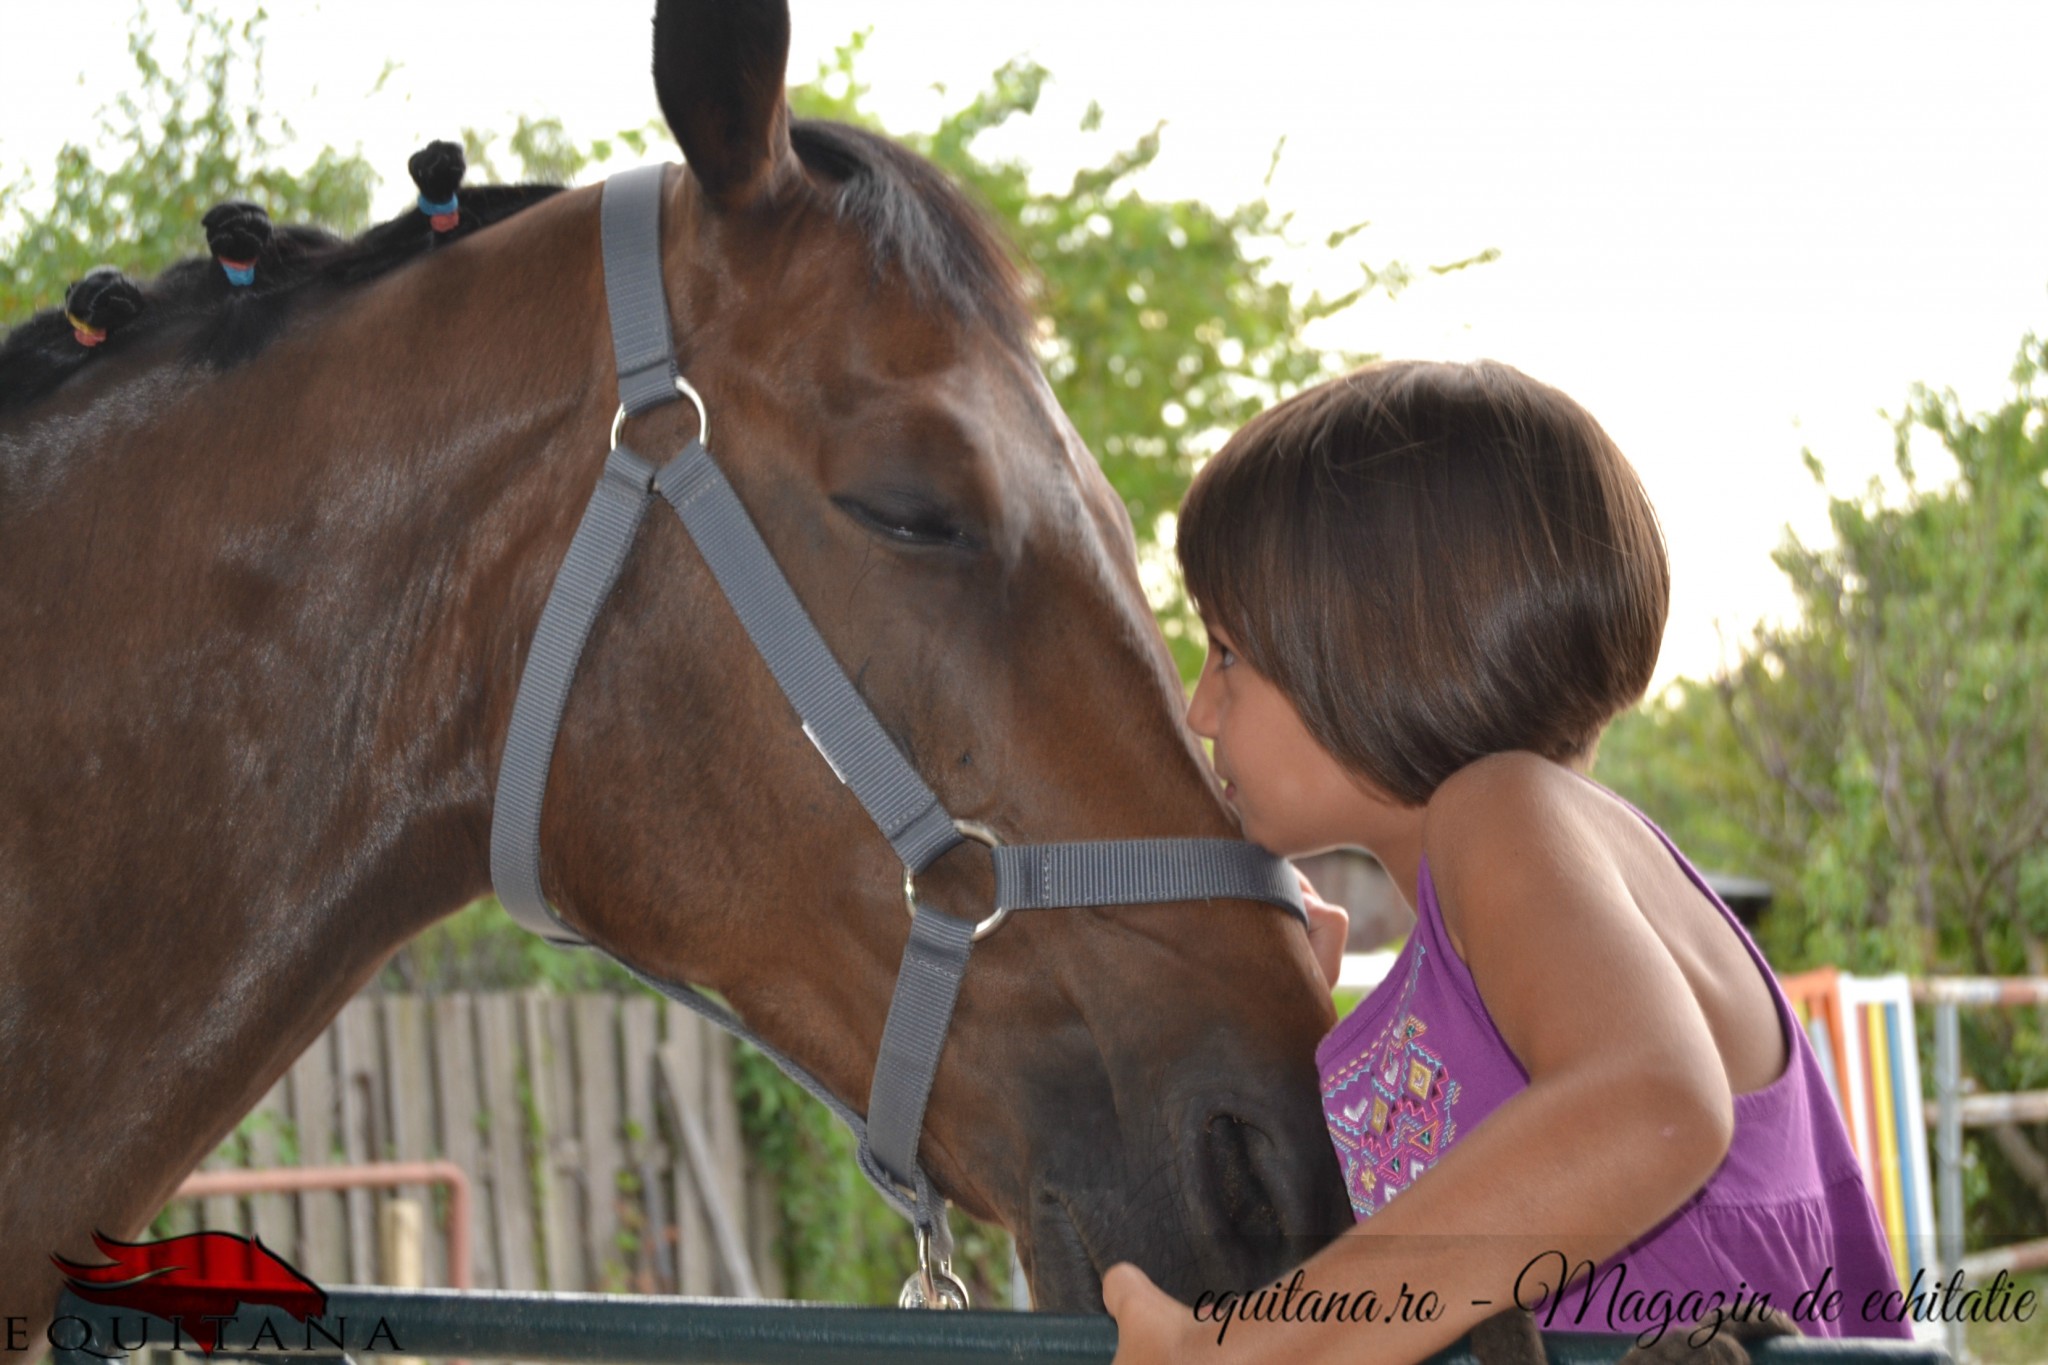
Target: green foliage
(546,153)
(479,948)
(185,137)
(1679,754)
(266,1120)
(1884,760)
(840,1242)
(2012,1342)
(627,1197)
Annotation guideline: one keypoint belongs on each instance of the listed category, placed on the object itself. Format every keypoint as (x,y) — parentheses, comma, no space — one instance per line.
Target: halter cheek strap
(838,721)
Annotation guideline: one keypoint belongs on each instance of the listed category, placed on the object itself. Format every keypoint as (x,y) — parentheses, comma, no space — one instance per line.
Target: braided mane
(229,307)
(226,323)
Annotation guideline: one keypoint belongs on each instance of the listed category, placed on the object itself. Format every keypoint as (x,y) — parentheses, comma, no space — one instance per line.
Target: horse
(264,618)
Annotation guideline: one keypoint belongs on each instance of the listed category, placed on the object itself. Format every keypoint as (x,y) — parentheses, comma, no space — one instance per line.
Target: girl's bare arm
(1627,1112)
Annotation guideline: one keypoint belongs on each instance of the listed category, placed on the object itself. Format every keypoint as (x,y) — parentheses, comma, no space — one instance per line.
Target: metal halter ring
(696,400)
(934,1285)
(981,834)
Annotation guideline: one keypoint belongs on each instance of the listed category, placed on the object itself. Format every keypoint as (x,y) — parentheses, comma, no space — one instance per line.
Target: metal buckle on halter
(934,1285)
(983,835)
(684,388)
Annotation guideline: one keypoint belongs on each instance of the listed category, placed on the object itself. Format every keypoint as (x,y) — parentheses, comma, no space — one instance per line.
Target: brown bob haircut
(1434,562)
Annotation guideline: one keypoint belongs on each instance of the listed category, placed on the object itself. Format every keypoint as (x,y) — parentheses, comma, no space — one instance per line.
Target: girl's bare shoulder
(1524,853)
(1517,823)
(1511,798)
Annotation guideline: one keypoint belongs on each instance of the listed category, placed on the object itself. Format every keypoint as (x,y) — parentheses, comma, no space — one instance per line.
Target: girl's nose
(1202,707)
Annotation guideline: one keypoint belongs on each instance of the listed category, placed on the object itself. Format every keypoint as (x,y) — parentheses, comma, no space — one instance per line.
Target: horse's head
(1130,1083)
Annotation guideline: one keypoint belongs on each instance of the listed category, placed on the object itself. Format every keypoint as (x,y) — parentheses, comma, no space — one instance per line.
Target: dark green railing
(585,1329)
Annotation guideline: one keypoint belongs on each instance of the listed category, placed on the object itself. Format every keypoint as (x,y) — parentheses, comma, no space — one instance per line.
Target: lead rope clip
(934,1285)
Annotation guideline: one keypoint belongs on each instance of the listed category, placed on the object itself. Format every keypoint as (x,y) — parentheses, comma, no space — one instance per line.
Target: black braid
(228,323)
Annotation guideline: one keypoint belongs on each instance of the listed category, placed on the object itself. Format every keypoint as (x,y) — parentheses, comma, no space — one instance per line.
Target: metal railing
(1955,1111)
(574,1329)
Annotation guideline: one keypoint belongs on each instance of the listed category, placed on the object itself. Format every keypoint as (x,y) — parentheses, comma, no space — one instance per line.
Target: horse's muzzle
(1238,1193)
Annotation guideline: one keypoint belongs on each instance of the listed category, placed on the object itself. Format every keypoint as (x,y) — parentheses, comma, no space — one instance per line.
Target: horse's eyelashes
(907,521)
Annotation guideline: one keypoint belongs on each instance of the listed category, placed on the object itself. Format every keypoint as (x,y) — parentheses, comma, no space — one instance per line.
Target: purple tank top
(1419,1062)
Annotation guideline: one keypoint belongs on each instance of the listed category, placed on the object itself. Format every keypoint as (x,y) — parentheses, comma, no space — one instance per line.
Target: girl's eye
(1224,658)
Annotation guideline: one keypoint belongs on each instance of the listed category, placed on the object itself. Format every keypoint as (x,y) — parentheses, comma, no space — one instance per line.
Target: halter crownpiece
(838,721)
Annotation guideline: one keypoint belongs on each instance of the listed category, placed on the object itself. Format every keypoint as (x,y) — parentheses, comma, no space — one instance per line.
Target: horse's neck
(260,651)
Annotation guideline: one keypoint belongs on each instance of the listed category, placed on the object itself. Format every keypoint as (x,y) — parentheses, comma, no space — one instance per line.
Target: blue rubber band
(431,209)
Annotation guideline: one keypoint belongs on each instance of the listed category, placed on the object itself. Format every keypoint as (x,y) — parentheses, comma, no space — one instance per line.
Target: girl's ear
(719,67)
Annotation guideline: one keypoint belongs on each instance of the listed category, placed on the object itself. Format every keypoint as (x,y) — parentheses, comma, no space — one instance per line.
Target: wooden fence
(557,1108)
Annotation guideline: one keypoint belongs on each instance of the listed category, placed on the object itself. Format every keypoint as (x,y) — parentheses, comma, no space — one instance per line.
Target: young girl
(1428,588)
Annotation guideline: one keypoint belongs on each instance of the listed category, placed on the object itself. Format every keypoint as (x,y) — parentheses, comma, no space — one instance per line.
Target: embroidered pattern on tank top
(1389,1107)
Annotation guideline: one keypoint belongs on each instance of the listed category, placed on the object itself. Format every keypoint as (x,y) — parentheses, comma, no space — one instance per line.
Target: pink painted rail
(1982,990)
(368,1175)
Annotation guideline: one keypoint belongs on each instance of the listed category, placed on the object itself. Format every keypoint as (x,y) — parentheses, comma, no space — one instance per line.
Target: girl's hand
(1152,1327)
(1328,927)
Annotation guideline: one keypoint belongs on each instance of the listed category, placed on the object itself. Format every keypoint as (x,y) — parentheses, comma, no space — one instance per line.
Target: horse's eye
(906,520)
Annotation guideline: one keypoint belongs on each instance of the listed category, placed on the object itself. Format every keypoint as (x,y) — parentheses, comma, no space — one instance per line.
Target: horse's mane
(915,221)
(225,324)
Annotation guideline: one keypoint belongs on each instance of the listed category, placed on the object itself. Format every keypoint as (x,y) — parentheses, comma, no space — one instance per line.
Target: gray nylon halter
(837,720)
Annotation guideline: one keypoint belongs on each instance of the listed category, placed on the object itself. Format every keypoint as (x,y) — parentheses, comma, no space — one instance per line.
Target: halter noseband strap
(837,720)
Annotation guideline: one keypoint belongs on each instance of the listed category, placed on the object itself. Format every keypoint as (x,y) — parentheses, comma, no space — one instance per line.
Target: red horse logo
(195,1277)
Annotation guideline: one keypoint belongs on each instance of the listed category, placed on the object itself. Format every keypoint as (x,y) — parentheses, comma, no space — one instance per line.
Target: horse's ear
(719,67)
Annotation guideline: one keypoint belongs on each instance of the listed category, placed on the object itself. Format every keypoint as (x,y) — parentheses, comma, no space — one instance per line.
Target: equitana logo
(199,1283)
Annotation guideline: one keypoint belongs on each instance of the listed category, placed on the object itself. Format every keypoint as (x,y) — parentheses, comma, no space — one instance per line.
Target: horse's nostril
(1239,1156)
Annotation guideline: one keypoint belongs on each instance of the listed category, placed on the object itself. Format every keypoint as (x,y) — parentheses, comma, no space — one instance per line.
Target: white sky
(1730,230)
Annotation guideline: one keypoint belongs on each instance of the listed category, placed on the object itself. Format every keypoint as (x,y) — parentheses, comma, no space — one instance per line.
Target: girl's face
(1291,793)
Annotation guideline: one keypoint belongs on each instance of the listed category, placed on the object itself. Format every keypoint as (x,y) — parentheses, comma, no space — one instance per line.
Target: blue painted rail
(583,1329)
